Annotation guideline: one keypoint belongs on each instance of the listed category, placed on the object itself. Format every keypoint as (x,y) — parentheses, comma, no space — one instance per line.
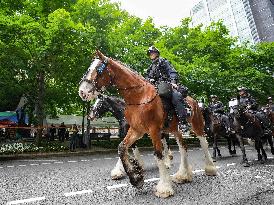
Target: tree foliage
(57,38)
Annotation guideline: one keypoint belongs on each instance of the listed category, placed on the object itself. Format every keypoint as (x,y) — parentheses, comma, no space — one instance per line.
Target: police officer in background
(252,106)
(247,100)
(161,70)
(270,105)
(217,108)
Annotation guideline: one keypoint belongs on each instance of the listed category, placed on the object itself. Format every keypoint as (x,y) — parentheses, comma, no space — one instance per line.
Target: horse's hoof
(164,190)
(171,156)
(182,179)
(214,159)
(246,164)
(211,170)
(117,177)
(272,150)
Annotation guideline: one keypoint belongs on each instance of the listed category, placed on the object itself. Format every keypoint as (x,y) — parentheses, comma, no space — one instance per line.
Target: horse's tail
(196,119)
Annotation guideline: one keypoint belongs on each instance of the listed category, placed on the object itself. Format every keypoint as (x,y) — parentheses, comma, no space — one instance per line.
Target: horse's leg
(118,171)
(214,148)
(270,142)
(164,188)
(170,155)
(234,145)
(137,155)
(184,174)
(229,145)
(132,167)
(241,141)
(165,152)
(261,147)
(258,149)
(210,168)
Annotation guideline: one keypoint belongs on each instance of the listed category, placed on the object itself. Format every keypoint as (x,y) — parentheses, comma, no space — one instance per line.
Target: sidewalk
(81,151)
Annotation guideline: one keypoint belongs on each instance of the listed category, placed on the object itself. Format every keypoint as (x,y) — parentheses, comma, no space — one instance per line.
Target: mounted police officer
(270,105)
(247,100)
(217,108)
(162,74)
(251,105)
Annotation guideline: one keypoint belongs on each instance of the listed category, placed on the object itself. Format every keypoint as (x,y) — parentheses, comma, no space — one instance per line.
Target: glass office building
(250,20)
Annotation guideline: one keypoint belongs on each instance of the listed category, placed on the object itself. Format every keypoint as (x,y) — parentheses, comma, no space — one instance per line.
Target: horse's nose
(83,95)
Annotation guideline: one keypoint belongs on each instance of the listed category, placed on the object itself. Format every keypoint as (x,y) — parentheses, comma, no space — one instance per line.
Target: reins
(112,83)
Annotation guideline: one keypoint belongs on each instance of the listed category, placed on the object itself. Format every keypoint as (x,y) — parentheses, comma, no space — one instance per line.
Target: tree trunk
(88,126)
(40,106)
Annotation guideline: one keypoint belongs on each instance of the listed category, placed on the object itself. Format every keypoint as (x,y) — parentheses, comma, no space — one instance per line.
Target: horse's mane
(127,67)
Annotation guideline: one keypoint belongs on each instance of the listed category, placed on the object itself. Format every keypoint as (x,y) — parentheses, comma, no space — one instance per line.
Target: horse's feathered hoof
(211,170)
(246,164)
(164,190)
(117,174)
(136,174)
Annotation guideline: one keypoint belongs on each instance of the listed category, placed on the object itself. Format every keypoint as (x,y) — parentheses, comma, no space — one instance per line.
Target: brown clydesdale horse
(145,114)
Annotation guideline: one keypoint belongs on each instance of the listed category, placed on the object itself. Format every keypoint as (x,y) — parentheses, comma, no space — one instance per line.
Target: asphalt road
(86,180)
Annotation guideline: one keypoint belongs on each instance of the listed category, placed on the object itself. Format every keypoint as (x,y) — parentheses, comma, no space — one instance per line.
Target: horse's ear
(100,55)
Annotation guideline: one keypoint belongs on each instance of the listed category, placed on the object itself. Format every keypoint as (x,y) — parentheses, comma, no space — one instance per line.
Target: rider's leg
(180,109)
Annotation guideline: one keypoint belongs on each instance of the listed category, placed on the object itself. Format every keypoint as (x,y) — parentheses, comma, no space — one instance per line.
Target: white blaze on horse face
(87,90)
(95,105)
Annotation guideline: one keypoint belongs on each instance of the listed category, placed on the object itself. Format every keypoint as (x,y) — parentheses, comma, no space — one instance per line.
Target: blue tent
(10,116)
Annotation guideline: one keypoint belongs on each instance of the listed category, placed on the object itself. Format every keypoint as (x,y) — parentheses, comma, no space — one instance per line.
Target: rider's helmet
(152,49)
(269,99)
(242,91)
(213,96)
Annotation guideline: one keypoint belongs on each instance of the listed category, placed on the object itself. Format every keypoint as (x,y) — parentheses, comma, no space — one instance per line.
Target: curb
(78,153)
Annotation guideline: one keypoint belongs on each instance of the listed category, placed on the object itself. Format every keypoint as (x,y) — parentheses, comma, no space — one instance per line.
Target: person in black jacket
(247,100)
(270,104)
(161,70)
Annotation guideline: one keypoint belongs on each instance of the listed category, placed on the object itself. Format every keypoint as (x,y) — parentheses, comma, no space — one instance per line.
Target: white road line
(22,165)
(78,192)
(94,159)
(152,179)
(34,164)
(58,162)
(72,161)
(198,170)
(84,160)
(270,157)
(10,166)
(108,158)
(45,163)
(1,167)
(116,186)
(232,164)
(38,160)
(258,177)
(270,165)
(26,200)
(190,150)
